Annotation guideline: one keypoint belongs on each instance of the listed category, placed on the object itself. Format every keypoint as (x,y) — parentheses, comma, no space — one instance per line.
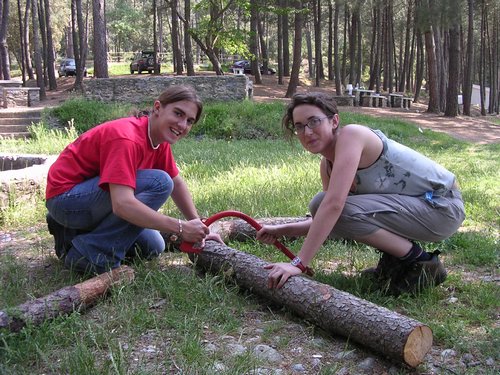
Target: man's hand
(194,231)
(279,273)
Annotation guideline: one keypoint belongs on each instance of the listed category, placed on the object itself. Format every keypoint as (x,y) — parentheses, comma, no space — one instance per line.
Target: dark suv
(142,61)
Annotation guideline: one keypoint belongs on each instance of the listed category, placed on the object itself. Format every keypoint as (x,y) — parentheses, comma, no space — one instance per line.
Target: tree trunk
(188,48)
(453,72)
(317,43)
(286,41)
(433,106)
(264,53)
(331,26)
(280,47)
(308,38)
(254,42)
(65,300)
(336,62)
(177,55)
(4,50)
(43,39)
(100,40)
(37,52)
(51,61)
(419,65)
(340,313)
(297,51)
(21,40)
(26,33)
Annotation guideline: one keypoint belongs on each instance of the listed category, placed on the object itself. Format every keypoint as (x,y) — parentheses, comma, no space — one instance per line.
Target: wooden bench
(20,96)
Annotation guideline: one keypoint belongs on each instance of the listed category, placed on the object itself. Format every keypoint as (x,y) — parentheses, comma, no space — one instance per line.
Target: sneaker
(62,236)
(419,276)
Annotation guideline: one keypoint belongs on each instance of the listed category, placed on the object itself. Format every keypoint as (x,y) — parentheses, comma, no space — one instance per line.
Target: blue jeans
(108,238)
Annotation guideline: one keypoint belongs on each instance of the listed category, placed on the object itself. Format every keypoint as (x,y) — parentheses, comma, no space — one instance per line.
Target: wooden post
(384,331)
(65,300)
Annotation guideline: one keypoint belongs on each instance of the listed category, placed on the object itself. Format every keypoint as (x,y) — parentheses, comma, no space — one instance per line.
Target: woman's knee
(315,202)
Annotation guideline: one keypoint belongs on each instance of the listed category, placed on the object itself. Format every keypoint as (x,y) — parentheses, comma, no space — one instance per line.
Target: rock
(266,353)
(235,349)
(367,365)
(298,367)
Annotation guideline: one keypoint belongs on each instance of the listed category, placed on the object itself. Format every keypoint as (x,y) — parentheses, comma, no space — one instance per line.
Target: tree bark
(336,62)
(297,51)
(65,300)
(37,52)
(51,61)
(254,42)
(340,313)
(453,72)
(100,40)
(4,50)
(176,51)
(188,47)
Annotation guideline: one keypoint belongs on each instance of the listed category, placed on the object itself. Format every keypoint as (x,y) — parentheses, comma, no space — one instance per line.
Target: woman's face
(319,138)
(173,121)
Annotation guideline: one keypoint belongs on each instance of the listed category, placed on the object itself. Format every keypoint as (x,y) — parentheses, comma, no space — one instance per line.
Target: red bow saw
(188,247)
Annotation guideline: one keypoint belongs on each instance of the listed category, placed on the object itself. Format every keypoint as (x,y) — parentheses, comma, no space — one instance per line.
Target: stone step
(18,121)
(14,122)
(13,128)
(17,112)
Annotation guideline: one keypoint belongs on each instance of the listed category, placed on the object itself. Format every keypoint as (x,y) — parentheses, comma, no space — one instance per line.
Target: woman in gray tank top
(375,191)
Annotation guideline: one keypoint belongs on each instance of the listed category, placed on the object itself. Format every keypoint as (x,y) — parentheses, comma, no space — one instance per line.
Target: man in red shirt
(104,190)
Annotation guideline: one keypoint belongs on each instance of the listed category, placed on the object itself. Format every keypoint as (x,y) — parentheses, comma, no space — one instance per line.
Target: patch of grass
(85,114)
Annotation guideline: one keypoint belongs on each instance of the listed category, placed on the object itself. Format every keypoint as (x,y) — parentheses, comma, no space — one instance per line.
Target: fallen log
(384,331)
(65,300)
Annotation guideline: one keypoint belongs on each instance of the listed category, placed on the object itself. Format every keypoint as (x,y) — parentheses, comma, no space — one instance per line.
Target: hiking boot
(62,236)
(388,266)
(419,275)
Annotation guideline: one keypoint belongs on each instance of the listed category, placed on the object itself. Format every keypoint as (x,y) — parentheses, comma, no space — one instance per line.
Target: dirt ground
(477,128)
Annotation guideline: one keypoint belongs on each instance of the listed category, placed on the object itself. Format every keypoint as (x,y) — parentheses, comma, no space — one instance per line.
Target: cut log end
(417,345)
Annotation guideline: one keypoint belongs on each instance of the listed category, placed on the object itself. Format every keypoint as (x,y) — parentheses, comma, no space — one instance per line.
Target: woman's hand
(267,234)
(279,273)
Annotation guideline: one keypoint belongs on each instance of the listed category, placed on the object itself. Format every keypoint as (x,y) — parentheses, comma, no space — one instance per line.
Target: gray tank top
(402,170)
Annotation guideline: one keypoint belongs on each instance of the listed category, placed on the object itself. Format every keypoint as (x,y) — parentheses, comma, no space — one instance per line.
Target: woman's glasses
(311,124)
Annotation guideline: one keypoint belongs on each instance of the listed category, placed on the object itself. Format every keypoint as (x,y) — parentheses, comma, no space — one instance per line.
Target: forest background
(430,49)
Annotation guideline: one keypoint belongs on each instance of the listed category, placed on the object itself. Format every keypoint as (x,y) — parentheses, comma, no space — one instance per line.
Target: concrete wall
(143,89)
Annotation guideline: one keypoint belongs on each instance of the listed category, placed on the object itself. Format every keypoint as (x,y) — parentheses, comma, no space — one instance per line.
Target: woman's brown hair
(321,100)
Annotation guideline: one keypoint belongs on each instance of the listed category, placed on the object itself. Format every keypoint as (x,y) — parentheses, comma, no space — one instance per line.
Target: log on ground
(65,300)
(396,336)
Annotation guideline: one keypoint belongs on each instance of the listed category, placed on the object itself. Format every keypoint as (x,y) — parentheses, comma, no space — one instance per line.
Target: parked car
(245,65)
(142,61)
(67,68)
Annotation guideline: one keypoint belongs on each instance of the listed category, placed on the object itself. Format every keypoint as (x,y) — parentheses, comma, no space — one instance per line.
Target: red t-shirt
(114,151)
